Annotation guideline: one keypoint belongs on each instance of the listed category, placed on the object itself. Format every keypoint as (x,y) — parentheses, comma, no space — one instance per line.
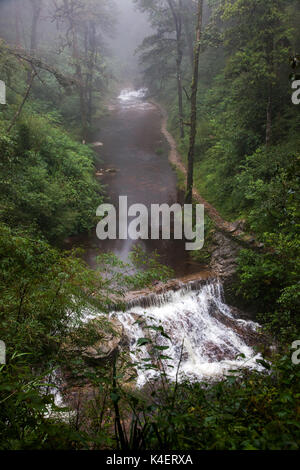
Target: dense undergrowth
(48,193)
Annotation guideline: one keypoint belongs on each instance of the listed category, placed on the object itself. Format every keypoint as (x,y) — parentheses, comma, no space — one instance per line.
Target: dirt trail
(231,229)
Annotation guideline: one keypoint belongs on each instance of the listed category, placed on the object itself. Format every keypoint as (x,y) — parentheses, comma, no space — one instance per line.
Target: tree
(177,11)
(81,24)
(261,49)
(36,6)
(193,120)
(168,17)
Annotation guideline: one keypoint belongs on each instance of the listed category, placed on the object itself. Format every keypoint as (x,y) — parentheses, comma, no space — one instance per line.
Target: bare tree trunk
(180,96)
(269,119)
(188,36)
(178,27)
(194,92)
(82,97)
(69,8)
(91,61)
(36,13)
(17,24)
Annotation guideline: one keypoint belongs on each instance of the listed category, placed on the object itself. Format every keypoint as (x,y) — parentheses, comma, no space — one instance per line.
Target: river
(205,336)
(132,161)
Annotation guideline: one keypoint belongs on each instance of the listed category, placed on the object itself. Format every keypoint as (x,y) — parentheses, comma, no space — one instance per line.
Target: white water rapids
(134,99)
(211,336)
(206,339)
(195,316)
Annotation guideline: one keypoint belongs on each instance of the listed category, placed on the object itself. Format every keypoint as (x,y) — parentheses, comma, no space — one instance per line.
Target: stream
(133,161)
(204,335)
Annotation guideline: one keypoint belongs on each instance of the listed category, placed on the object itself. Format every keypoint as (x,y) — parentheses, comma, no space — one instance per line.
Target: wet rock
(217,353)
(224,252)
(108,343)
(97,144)
(109,338)
(238,225)
(244,329)
(147,297)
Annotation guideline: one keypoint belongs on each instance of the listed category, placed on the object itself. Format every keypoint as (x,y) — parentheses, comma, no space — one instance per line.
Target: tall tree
(194,91)
(187,13)
(81,23)
(257,53)
(177,12)
(168,18)
(36,6)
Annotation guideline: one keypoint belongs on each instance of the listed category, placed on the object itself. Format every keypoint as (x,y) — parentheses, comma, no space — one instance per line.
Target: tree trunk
(270,50)
(82,97)
(91,61)
(180,96)
(69,7)
(188,36)
(17,24)
(36,13)
(178,27)
(269,119)
(16,116)
(194,91)
(121,438)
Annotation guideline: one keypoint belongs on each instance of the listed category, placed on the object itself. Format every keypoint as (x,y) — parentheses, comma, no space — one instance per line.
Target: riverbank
(232,229)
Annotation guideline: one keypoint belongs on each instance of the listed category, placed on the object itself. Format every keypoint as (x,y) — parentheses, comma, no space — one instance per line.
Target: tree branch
(63,80)
(32,76)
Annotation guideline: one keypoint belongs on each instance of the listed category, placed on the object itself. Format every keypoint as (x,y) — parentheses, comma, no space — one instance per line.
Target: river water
(132,161)
(204,339)
(204,336)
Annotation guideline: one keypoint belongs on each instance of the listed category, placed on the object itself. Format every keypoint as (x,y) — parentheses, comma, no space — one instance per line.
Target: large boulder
(99,341)
(108,343)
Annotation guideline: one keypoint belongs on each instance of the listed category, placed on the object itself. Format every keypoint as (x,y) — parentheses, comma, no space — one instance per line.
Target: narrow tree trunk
(17,25)
(83,104)
(270,61)
(118,425)
(188,37)
(91,61)
(194,92)
(269,120)
(178,27)
(36,13)
(78,70)
(180,96)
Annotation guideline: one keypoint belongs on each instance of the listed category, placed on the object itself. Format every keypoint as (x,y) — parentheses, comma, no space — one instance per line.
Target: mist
(120,37)
(131,29)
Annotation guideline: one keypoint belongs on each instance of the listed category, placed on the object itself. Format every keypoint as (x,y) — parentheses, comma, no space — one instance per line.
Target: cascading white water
(130,98)
(128,94)
(200,321)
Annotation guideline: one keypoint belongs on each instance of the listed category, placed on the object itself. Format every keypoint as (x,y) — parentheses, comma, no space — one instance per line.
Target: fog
(120,36)
(131,29)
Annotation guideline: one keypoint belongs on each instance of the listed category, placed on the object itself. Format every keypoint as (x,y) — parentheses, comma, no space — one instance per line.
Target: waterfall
(129,94)
(205,337)
(134,99)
